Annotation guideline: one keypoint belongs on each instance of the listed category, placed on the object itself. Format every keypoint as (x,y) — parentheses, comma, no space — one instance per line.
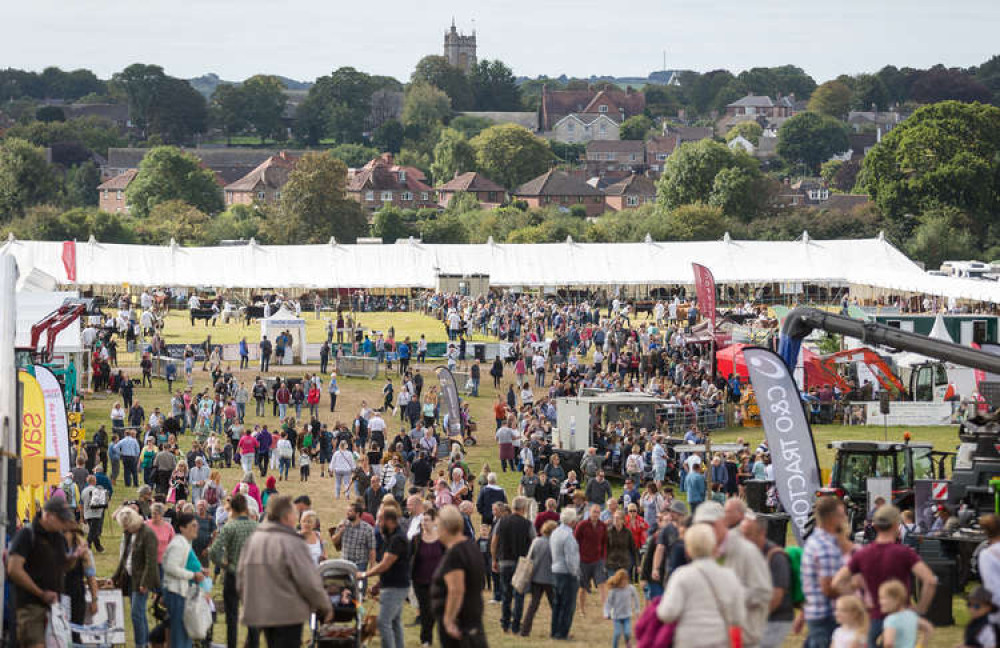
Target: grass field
(589,630)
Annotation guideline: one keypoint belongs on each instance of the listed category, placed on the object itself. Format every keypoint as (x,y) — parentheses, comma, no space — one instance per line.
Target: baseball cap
(678,507)
(886,517)
(56,505)
(710,511)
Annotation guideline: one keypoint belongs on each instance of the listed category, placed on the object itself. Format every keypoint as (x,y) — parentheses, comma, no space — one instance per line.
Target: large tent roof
(870,262)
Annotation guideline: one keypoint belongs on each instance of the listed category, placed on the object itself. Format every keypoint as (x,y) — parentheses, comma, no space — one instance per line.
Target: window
(277,195)
(602,109)
(407,196)
(604,128)
(261,195)
(402,176)
(632,201)
(597,200)
(118,195)
(229,197)
(491,196)
(579,199)
(661,156)
(386,195)
(819,194)
(570,127)
(424,196)
(105,194)
(632,157)
(370,196)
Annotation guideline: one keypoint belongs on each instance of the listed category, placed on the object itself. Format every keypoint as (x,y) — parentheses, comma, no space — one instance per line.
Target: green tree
(470,125)
(436,71)
(81,185)
(388,137)
(239,222)
(97,135)
(832,99)
(749,130)
(774,81)
(462,202)
(264,102)
(937,239)
(494,87)
(740,192)
(636,127)
(353,155)
(696,222)
(228,109)
(869,90)
(26,178)
(177,220)
(424,105)
(452,154)
(178,111)
(314,206)
(689,174)
(943,84)
(167,173)
(388,224)
(49,223)
(511,154)
(141,84)
(50,114)
(944,155)
(811,139)
(337,106)
(829,169)
(445,228)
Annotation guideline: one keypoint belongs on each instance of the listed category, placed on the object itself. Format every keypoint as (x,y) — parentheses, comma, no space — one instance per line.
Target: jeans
(623,630)
(475,388)
(390,616)
(260,407)
(510,619)
(94,528)
(175,610)
(244,361)
(333,402)
(282,409)
(265,362)
(775,633)
(508,462)
(819,632)
(246,462)
(537,591)
(298,411)
(564,590)
(283,467)
(289,636)
(341,478)
(262,460)
(241,411)
(140,621)
(423,593)
(231,604)
(875,627)
(130,465)
(652,590)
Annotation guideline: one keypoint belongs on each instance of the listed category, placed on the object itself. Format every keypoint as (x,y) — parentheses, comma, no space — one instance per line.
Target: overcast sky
(302,39)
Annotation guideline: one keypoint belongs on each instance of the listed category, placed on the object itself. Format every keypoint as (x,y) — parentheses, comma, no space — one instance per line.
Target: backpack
(632,464)
(211,495)
(98,498)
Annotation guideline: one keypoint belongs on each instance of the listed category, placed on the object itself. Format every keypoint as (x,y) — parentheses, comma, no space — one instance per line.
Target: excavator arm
(52,324)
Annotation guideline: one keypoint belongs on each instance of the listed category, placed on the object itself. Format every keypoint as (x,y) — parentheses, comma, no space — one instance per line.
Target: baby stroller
(341,585)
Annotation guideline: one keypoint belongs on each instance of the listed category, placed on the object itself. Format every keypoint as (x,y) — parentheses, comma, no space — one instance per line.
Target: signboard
(110,611)
(908,413)
(793,453)
(879,487)
(704,285)
(176,351)
(37,466)
(451,405)
(56,423)
(69,259)
(923,504)
(939,491)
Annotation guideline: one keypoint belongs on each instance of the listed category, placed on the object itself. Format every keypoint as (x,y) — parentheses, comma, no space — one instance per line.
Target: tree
(50,114)
(353,155)
(811,139)
(636,127)
(511,154)
(452,154)
(388,138)
(314,206)
(48,223)
(832,99)
(696,222)
(337,106)
(229,110)
(942,84)
(989,75)
(81,185)
(388,224)
(141,83)
(870,90)
(944,155)
(424,105)
(167,173)
(470,125)
(784,79)
(936,239)
(264,102)
(93,133)
(239,222)
(689,174)
(494,87)
(26,178)
(178,111)
(438,72)
(177,220)
(663,101)
(829,169)
(749,130)
(445,228)
(740,191)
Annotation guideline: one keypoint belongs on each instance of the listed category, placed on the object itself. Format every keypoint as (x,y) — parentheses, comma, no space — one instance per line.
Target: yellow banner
(37,468)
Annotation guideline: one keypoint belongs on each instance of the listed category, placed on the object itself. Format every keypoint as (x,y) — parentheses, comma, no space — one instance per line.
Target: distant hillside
(207,83)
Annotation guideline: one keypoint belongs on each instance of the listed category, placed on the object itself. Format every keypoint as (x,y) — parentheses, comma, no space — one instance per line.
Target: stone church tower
(459,49)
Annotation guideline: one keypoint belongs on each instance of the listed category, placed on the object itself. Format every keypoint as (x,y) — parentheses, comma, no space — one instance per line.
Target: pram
(341,585)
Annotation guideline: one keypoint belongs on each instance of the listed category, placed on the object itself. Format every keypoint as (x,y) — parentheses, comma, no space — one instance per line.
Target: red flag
(69,259)
(704,286)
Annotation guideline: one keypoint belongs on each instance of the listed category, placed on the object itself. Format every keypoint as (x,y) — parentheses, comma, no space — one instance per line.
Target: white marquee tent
(873,263)
(286,320)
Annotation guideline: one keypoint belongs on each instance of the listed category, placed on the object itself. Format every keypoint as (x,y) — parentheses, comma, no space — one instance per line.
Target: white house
(585,127)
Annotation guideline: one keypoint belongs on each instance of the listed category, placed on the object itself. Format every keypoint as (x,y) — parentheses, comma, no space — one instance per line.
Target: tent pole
(8,403)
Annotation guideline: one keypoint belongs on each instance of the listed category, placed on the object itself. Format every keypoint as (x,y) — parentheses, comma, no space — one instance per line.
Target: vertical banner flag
(37,467)
(69,259)
(451,402)
(793,453)
(56,423)
(704,286)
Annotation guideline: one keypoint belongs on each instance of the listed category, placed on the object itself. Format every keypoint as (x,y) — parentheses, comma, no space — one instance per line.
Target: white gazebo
(285,320)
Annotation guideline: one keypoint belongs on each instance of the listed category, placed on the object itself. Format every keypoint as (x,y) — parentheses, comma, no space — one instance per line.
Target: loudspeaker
(883,402)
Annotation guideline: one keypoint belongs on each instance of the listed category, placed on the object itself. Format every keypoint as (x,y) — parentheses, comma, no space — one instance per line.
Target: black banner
(793,451)
(451,404)
(176,351)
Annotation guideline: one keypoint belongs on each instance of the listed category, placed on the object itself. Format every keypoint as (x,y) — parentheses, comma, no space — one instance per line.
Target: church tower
(459,49)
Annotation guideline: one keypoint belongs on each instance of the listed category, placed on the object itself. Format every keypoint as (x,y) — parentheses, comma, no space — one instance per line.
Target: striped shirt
(821,558)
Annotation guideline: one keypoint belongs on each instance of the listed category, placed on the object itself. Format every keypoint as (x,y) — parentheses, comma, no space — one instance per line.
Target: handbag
(521,580)
(735,632)
(197,613)
(172,495)
(57,631)
(650,632)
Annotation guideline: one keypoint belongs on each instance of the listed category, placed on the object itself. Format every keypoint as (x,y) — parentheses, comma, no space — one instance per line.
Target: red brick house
(632,192)
(616,104)
(263,183)
(558,188)
(489,194)
(111,193)
(382,182)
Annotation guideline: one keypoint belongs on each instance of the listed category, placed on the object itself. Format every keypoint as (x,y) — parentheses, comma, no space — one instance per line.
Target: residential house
(585,127)
(116,114)
(767,148)
(614,155)
(741,143)
(382,182)
(863,120)
(755,106)
(562,189)
(489,194)
(659,148)
(617,104)
(688,133)
(111,193)
(632,192)
(264,183)
(813,192)
(229,164)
